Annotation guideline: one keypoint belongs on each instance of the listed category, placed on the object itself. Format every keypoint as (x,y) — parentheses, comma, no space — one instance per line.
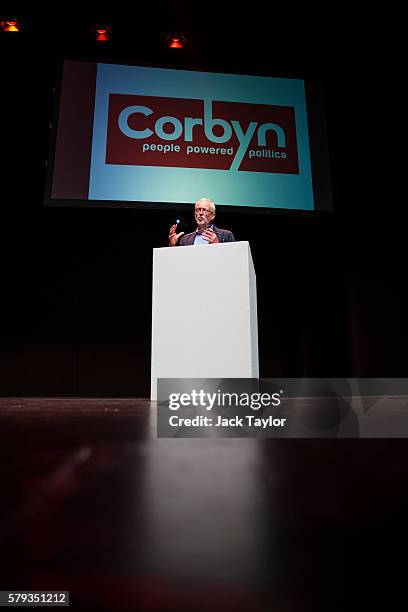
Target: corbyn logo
(183,133)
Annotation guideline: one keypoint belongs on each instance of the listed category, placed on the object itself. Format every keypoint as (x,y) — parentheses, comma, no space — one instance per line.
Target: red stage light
(10,25)
(175,41)
(102,33)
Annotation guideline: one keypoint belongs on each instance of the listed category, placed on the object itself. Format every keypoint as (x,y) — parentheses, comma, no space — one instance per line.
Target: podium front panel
(204,320)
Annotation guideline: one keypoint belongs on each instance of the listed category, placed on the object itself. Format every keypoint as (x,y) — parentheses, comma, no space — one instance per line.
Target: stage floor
(92,502)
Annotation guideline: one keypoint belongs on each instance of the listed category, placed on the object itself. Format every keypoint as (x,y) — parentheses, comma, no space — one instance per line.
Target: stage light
(175,43)
(175,40)
(103,33)
(10,25)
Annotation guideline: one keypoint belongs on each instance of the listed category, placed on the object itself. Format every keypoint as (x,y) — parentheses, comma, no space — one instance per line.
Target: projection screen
(161,137)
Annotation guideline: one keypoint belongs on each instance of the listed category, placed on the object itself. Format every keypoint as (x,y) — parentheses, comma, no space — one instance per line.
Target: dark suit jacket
(223,236)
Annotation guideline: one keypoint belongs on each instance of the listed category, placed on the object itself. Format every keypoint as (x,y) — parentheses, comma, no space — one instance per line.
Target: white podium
(204,318)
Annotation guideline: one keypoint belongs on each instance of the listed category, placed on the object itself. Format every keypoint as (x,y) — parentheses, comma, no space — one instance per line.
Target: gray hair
(212,205)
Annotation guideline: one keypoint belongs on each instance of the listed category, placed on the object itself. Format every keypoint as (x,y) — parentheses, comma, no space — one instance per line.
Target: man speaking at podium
(206,232)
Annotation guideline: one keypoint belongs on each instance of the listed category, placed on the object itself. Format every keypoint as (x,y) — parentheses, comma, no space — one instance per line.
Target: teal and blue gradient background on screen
(186,185)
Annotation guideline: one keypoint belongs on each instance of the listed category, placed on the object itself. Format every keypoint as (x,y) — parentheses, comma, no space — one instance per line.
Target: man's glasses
(203,210)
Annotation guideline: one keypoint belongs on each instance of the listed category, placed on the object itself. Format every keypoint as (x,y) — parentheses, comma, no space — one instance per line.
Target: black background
(76,282)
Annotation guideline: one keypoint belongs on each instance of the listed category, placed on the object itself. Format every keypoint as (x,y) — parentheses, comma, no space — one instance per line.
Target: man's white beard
(203,225)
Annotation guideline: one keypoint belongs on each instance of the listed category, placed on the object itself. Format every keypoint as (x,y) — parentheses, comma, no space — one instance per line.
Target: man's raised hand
(211,236)
(173,236)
